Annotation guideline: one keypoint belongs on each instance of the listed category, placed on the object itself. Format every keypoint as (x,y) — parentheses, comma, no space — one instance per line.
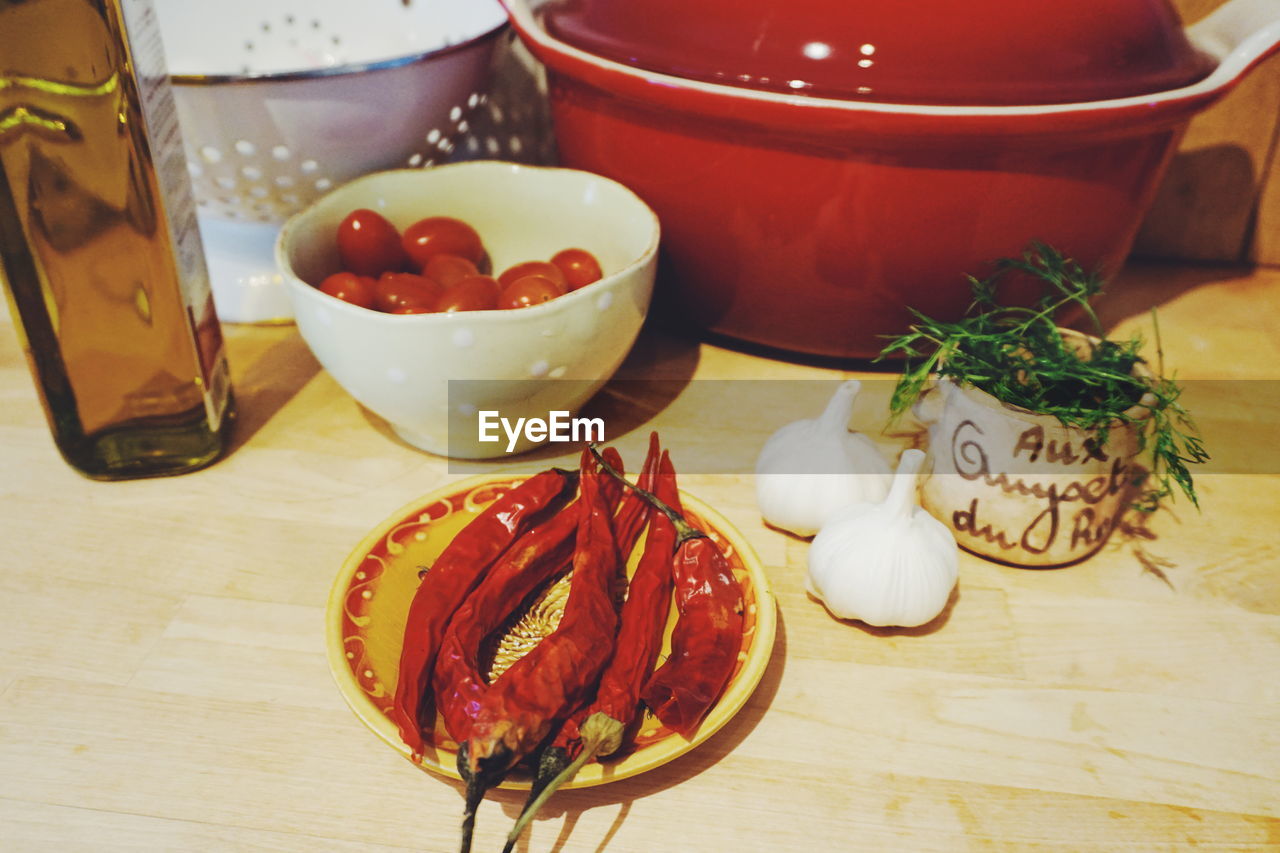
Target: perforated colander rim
(334,70)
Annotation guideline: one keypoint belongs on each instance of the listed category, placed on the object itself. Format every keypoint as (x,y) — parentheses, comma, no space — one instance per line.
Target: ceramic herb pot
(1017,486)
(819,165)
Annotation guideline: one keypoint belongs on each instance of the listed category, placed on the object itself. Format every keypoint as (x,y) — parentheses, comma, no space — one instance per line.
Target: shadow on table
(571,804)
(264,387)
(658,368)
(1143,285)
(822,362)
(655,372)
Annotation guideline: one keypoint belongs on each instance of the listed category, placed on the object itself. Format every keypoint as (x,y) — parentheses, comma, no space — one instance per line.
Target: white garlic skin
(885,564)
(810,469)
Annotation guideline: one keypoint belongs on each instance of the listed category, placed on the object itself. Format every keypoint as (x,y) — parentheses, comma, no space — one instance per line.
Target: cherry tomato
(397,290)
(369,244)
(449,269)
(349,287)
(541,268)
(473,293)
(528,290)
(579,266)
(442,235)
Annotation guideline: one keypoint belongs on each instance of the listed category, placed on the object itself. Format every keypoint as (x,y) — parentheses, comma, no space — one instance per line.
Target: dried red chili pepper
(599,728)
(627,534)
(534,559)
(634,513)
(518,710)
(451,577)
(707,636)
(567,743)
(628,523)
(544,553)
(644,615)
(460,686)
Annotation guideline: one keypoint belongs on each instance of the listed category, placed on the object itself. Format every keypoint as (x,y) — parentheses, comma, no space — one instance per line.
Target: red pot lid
(976,52)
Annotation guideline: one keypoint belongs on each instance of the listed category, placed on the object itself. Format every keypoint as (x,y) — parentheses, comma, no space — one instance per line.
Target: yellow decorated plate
(370,602)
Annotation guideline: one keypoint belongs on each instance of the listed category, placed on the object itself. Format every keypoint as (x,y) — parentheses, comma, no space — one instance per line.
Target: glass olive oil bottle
(99,247)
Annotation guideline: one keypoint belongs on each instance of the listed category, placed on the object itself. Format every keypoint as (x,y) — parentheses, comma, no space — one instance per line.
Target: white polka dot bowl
(280,101)
(430,375)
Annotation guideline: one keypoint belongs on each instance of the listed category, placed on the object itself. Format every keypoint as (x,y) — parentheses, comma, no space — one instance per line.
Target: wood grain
(164,685)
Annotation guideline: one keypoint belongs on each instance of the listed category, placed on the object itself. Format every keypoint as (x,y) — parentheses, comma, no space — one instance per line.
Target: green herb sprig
(1017,355)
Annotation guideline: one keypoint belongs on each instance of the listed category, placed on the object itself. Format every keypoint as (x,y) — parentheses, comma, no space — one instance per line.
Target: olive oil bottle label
(161,117)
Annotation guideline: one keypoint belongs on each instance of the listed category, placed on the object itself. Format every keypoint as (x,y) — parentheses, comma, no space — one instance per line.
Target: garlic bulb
(885,564)
(810,469)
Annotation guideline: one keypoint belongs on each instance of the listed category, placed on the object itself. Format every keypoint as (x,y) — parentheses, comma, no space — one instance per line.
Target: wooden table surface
(164,686)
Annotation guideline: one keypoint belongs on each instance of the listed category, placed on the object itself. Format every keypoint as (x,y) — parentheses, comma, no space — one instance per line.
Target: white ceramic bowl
(523,363)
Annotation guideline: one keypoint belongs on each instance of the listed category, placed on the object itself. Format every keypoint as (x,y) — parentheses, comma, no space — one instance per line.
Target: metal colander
(280,101)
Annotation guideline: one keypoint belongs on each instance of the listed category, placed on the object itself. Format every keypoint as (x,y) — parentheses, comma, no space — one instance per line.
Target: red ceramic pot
(810,222)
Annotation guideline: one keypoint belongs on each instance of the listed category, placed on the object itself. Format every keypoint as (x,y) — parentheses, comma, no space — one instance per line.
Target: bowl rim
(493,315)
(769,108)
(193,80)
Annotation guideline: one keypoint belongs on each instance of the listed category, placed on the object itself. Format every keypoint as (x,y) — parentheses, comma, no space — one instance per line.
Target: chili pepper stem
(552,761)
(488,772)
(601,735)
(588,752)
(475,793)
(684,530)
